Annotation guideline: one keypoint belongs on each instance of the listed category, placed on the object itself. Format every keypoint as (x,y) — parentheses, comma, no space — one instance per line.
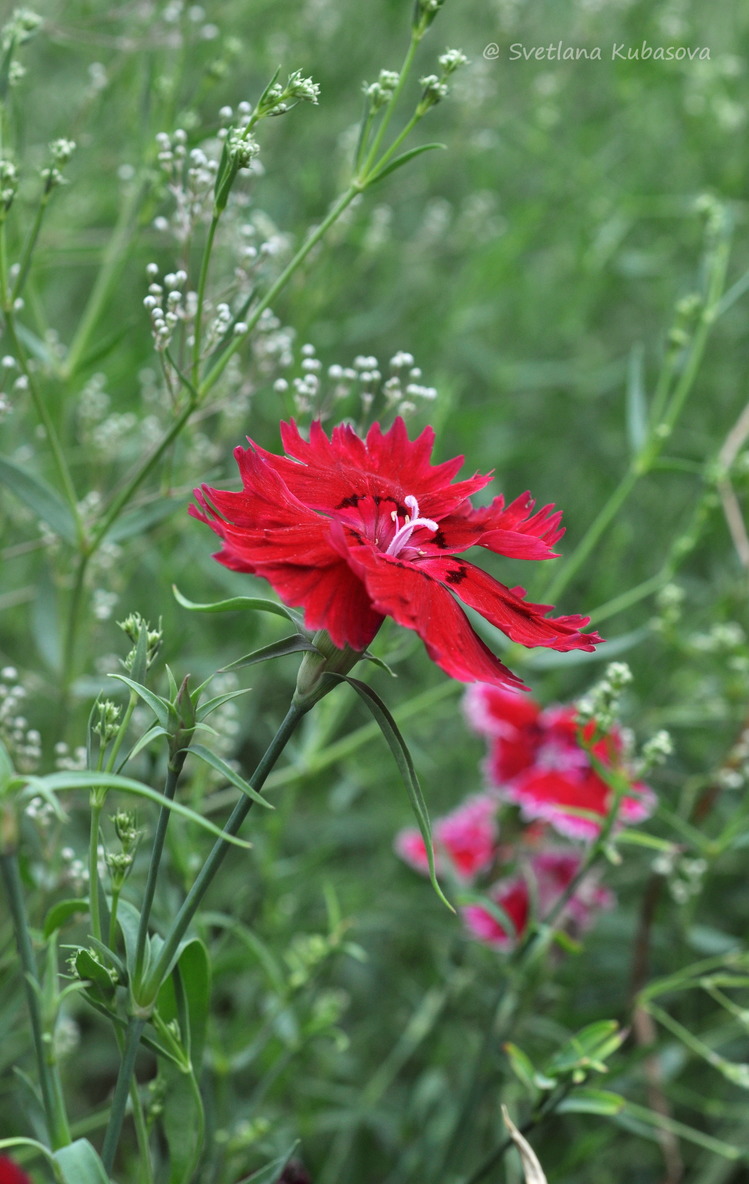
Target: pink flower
(550,874)
(354,530)
(465,840)
(537,760)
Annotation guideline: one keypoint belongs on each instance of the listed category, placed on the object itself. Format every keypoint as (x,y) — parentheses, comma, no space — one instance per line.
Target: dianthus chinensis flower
(538,759)
(549,874)
(353,530)
(465,840)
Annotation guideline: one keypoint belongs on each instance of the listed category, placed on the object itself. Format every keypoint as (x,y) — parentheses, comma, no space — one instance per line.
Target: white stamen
(403,533)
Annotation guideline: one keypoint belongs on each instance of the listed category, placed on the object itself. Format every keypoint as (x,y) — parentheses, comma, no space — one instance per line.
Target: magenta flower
(537,760)
(353,530)
(551,873)
(465,840)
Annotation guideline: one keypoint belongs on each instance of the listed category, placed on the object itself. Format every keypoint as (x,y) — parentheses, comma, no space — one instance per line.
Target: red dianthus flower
(537,759)
(10,1173)
(354,530)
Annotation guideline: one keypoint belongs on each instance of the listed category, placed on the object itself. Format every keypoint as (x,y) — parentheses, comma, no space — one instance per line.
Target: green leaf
(185,996)
(637,413)
(399,749)
(86,779)
(79,1164)
(158,705)
(220,765)
(592,1101)
(183,1122)
(277,649)
(62,912)
(40,497)
(588,1048)
(210,705)
(403,159)
(522,1067)
(239,603)
(90,970)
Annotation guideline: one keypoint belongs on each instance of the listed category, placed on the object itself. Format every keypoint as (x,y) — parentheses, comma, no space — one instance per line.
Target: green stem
(172,777)
(69,664)
(149,989)
(121,732)
(28,250)
(97,805)
(139,1120)
(205,264)
(593,534)
(135,1028)
(49,1080)
(311,241)
(215,859)
(388,115)
(120,500)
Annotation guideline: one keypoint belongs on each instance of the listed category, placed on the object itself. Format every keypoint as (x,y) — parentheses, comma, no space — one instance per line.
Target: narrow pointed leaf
(403,159)
(277,649)
(210,705)
(239,603)
(220,765)
(403,760)
(592,1101)
(159,706)
(88,780)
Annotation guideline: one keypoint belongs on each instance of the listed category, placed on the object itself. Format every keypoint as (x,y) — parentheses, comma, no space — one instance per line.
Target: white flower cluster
(23,742)
(602,701)
(400,391)
(190,179)
(168,304)
(381,92)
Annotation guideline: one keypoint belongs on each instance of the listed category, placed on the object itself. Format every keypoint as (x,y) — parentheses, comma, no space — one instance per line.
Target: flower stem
(172,777)
(49,1080)
(148,990)
(215,859)
(135,1027)
(97,805)
(202,281)
(311,241)
(369,164)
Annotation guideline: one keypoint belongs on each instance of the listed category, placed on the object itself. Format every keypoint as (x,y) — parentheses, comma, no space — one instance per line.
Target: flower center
(403,533)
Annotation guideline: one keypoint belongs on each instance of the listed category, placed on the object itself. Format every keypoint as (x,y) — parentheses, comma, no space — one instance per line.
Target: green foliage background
(530,268)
